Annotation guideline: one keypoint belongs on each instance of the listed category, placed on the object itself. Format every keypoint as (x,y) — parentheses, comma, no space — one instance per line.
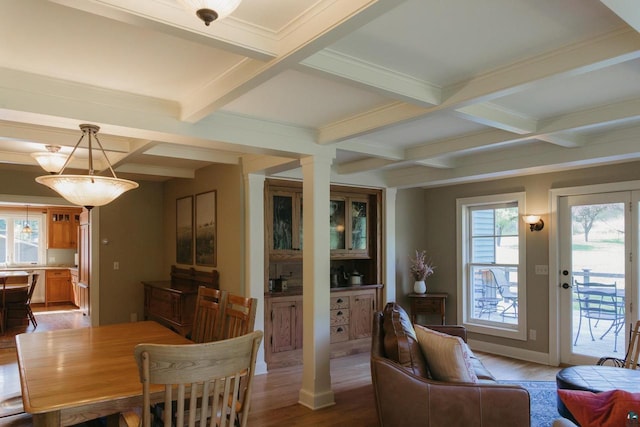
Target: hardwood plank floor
(275,394)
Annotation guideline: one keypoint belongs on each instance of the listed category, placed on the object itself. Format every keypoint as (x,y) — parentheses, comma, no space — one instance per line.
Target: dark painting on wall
(184,230)
(206,229)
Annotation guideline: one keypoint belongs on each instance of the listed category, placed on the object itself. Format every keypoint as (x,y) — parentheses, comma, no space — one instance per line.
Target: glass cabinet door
(286,223)
(358,225)
(337,225)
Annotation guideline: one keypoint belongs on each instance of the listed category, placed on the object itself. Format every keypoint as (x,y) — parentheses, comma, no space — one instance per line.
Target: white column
(254,252)
(316,376)
(389,244)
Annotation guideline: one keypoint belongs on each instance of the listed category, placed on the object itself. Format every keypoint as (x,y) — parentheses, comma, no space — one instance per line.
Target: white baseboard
(513,352)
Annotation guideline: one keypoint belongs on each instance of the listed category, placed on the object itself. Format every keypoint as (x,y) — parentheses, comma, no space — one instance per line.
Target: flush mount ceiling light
(535,222)
(50,160)
(210,10)
(87,190)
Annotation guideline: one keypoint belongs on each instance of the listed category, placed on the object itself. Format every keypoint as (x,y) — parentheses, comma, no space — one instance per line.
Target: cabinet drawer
(58,273)
(339,317)
(339,333)
(427,305)
(338,303)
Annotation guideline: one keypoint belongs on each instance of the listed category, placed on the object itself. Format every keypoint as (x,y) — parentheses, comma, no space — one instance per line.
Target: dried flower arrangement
(420,268)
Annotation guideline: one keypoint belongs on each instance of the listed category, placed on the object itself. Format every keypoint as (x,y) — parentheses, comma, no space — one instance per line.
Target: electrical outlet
(532,334)
(116,265)
(542,269)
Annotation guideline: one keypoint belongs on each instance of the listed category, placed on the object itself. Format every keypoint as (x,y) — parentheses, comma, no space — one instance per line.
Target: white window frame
(514,331)
(42,243)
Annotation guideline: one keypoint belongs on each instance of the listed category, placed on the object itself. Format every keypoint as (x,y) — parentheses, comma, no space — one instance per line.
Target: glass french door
(598,274)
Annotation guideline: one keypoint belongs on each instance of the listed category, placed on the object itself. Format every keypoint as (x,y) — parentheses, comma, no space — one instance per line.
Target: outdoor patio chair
(630,360)
(596,302)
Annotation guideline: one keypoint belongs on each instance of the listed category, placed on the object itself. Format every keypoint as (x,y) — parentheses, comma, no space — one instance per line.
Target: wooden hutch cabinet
(355,241)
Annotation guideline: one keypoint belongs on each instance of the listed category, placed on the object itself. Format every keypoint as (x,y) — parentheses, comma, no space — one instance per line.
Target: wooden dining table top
(75,368)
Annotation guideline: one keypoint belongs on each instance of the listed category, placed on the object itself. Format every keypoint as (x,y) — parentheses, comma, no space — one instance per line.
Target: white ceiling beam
(325,27)
(468,142)
(156,170)
(370,76)
(361,146)
(563,139)
(491,115)
(268,165)
(193,153)
(364,165)
(607,50)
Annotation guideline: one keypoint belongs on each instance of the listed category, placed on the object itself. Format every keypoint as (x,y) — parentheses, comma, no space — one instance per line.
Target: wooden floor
(275,395)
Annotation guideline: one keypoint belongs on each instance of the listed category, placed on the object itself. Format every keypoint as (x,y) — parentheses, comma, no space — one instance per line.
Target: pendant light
(50,160)
(26,229)
(87,190)
(210,10)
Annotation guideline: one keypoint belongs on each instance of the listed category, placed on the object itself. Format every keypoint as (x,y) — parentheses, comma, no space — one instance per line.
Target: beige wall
(227,181)
(438,237)
(132,225)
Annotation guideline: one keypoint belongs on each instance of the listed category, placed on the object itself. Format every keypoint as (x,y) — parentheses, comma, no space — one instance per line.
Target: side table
(428,304)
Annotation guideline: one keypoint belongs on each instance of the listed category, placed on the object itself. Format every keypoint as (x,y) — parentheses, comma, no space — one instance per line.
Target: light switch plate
(542,269)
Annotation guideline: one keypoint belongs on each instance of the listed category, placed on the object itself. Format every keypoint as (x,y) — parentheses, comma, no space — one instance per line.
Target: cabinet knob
(339,329)
(339,301)
(339,313)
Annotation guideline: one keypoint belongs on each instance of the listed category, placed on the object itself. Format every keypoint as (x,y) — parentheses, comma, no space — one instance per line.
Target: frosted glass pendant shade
(210,10)
(87,190)
(50,160)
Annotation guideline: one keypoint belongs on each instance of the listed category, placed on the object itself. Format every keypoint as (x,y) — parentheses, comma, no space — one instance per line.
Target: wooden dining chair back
(207,320)
(3,305)
(199,381)
(239,316)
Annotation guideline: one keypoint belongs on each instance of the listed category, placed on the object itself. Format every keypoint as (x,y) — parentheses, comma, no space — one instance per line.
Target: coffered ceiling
(412,93)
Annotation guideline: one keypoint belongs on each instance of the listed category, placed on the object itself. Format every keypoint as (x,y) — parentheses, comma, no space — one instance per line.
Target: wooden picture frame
(206,235)
(184,230)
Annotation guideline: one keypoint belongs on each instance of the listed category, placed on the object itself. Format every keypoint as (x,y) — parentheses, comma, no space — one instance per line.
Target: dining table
(71,376)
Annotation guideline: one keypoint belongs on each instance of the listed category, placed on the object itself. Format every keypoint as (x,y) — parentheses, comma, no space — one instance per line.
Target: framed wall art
(206,245)
(184,230)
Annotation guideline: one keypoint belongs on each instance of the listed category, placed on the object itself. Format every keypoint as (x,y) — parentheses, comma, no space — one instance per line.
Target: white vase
(419,287)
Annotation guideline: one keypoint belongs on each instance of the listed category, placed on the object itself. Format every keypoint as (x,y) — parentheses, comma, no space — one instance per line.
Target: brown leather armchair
(406,398)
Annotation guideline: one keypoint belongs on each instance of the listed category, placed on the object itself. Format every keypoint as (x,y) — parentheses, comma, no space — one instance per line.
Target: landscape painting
(206,229)
(184,230)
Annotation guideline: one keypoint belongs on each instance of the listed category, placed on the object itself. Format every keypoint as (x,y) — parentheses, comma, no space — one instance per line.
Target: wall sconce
(535,222)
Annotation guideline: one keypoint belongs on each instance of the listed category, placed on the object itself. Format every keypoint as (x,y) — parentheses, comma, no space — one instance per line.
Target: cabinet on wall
(348,226)
(63,227)
(284,219)
(351,319)
(58,287)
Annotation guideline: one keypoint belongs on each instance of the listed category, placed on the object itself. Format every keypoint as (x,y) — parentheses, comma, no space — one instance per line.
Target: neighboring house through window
(18,248)
(491,260)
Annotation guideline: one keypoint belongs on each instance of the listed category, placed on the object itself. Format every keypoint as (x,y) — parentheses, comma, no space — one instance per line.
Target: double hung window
(491,258)
(17,246)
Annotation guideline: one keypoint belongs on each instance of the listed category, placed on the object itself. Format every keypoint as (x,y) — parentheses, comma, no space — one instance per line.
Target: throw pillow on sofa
(400,342)
(448,357)
(605,409)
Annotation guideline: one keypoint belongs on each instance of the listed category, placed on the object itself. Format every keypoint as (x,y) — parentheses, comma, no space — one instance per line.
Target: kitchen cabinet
(58,287)
(284,219)
(80,292)
(63,226)
(350,321)
(348,226)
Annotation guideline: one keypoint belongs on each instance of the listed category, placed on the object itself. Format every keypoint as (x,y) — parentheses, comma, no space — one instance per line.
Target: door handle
(566,286)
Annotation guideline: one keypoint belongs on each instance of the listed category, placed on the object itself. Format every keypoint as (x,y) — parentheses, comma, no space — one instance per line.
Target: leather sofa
(406,395)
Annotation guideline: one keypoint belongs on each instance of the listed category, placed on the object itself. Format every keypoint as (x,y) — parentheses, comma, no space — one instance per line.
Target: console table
(172,302)
(428,304)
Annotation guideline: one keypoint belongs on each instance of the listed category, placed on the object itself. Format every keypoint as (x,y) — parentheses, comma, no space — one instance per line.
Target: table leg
(49,419)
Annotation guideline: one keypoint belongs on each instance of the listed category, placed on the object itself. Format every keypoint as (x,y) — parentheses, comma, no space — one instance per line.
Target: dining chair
(207,320)
(3,305)
(199,381)
(239,316)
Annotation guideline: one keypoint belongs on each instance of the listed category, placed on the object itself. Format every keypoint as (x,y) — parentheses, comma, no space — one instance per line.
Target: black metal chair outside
(600,301)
